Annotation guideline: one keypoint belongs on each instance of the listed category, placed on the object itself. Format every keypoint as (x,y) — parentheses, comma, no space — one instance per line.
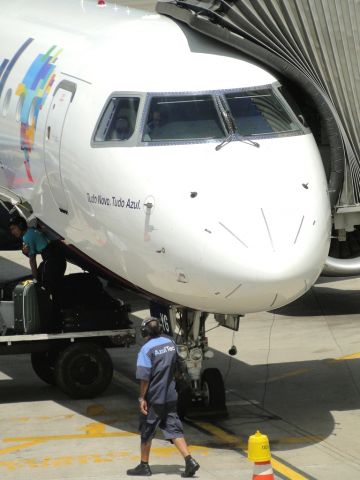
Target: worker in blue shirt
(157,402)
(52,268)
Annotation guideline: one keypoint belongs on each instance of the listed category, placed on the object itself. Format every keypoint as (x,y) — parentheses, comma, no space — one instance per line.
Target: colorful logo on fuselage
(33,92)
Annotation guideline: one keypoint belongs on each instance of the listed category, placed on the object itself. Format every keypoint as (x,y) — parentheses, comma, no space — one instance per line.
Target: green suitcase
(26,308)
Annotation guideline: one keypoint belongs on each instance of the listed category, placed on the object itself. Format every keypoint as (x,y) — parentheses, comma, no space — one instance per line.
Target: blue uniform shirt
(35,240)
(156,365)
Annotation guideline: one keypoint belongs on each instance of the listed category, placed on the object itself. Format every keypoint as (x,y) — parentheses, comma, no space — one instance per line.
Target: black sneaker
(191,466)
(142,470)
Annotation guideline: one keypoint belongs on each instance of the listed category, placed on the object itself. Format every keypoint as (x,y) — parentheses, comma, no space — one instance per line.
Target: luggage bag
(32,308)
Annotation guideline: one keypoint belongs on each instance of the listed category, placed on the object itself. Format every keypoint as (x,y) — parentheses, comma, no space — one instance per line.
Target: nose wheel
(213,389)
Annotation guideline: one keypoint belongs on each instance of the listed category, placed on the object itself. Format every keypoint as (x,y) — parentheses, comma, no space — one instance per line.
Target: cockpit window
(259,112)
(181,118)
(118,120)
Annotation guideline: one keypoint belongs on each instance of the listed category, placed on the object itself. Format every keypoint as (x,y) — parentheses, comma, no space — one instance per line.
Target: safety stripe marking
(263,476)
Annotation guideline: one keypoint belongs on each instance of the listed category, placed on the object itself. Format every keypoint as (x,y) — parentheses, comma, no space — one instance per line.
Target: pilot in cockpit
(157,121)
(121,130)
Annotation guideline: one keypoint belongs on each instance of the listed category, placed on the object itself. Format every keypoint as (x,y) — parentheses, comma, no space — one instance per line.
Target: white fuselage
(256,234)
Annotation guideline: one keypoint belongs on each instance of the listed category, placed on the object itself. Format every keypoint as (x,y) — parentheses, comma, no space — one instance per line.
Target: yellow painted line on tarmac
(37,418)
(230,439)
(91,459)
(225,437)
(15,448)
(62,461)
(352,356)
(298,440)
(93,430)
(95,410)
(293,373)
(286,471)
(301,371)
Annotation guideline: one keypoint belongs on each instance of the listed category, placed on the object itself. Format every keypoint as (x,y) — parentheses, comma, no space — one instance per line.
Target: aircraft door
(59,107)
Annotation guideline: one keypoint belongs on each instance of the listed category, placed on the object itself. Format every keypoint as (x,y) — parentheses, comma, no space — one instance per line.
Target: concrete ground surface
(296,378)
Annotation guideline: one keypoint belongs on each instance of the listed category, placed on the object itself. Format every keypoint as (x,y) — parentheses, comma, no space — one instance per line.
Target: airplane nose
(270,256)
(256,234)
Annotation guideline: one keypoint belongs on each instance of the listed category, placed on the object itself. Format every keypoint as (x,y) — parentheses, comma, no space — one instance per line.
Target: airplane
(163,161)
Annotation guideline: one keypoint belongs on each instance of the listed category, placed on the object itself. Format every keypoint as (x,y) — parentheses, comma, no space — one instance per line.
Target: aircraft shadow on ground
(321,300)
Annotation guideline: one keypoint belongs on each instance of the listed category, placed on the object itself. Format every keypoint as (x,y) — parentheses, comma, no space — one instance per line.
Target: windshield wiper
(235,136)
(231,126)
(247,140)
(226,140)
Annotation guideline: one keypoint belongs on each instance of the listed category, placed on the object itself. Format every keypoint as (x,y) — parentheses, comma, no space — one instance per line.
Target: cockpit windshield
(177,118)
(130,119)
(259,112)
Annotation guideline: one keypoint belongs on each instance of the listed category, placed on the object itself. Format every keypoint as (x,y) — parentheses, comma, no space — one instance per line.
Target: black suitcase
(32,308)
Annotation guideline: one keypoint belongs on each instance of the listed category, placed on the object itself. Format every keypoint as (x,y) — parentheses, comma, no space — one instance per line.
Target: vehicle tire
(43,364)
(213,389)
(83,370)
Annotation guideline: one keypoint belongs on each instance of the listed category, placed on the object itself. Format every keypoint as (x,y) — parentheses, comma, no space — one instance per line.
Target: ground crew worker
(157,402)
(52,269)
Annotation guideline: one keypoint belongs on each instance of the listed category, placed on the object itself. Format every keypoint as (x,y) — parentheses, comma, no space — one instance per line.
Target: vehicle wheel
(83,370)
(43,364)
(213,389)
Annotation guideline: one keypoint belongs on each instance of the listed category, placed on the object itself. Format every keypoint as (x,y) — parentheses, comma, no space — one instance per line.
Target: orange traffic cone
(263,471)
(259,453)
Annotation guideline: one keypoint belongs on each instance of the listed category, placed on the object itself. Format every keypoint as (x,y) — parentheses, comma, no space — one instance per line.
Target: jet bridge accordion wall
(314,43)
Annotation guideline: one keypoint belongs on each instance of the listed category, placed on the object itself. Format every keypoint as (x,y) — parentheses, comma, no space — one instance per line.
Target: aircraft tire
(213,389)
(43,364)
(83,370)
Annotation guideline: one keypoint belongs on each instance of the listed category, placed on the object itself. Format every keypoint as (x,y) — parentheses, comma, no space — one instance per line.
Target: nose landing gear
(204,392)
